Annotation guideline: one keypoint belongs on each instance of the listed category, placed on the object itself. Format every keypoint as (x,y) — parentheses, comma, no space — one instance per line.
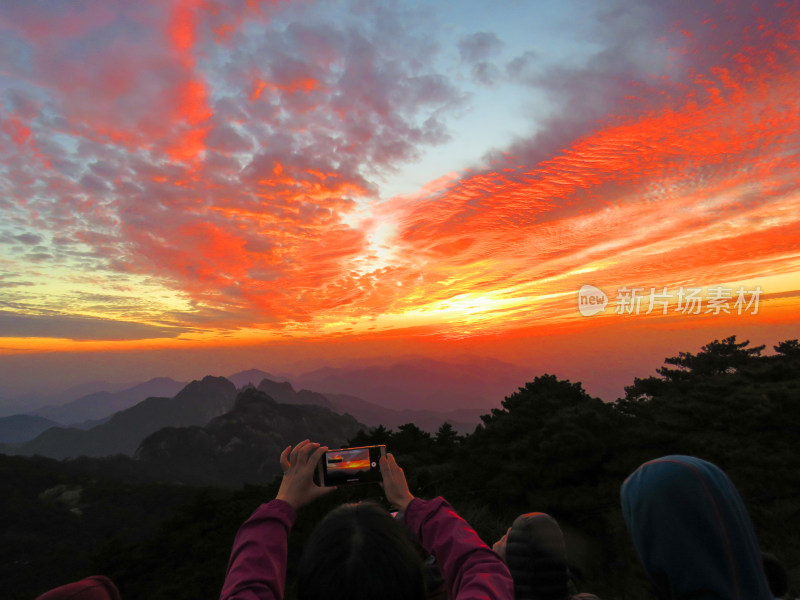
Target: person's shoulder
(96,587)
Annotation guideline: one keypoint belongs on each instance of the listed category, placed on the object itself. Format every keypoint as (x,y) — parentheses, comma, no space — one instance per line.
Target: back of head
(359,552)
(537,558)
(692,531)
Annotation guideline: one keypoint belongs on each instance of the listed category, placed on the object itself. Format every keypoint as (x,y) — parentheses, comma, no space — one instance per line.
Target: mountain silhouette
(241,446)
(251,377)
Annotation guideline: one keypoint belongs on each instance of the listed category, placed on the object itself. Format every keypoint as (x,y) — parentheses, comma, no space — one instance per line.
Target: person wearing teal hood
(692,532)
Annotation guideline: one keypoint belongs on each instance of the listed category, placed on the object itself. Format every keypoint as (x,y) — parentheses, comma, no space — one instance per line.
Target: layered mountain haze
(463,420)
(21,428)
(285,393)
(195,404)
(372,414)
(423,383)
(423,391)
(252,377)
(13,403)
(414,381)
(104,403)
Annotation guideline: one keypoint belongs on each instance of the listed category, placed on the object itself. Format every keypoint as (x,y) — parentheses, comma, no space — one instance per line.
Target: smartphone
(351,465)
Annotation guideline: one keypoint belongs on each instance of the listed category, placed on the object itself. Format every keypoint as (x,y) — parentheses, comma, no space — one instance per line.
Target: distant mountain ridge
(463,420)
(25,404)
(284,392)
(425,392)
(104,403)
(21,428)
(422,383)
(196,404)
(251,377)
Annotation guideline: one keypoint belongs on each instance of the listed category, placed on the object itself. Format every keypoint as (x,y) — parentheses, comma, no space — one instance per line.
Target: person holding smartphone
(359,552)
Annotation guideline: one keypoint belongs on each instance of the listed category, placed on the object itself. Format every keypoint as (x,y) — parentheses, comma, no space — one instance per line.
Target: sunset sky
(290,184)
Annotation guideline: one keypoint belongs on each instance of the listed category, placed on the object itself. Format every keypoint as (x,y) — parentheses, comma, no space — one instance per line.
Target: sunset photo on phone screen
(347,465)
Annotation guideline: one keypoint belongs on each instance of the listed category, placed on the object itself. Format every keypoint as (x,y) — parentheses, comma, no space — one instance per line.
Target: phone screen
(351,465)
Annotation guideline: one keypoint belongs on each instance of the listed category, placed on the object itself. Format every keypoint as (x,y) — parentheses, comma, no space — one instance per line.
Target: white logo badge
(591,300)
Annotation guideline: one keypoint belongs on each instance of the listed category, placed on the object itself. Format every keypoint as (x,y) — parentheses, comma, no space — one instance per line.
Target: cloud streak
(79,328)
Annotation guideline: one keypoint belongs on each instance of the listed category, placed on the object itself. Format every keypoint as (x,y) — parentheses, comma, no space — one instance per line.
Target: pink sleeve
(257,567)
(473,571)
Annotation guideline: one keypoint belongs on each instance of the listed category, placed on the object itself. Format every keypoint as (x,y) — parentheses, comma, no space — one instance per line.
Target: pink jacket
(472,570)
(96,587)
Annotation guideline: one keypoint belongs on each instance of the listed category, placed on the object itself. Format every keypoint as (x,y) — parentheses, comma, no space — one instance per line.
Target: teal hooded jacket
(692,532)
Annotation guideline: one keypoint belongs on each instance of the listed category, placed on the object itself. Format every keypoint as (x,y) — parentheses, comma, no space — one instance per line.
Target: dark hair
(359,552)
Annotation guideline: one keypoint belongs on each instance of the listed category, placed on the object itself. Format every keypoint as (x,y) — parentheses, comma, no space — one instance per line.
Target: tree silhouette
(446,436)
(716,358)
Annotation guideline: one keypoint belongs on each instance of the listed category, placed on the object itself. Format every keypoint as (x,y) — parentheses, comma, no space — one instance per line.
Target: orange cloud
(183,24)
(15,129)
(301,83)
(192,103)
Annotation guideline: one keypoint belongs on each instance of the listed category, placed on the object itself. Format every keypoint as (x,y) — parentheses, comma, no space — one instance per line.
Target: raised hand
(395,485)
(298,464)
